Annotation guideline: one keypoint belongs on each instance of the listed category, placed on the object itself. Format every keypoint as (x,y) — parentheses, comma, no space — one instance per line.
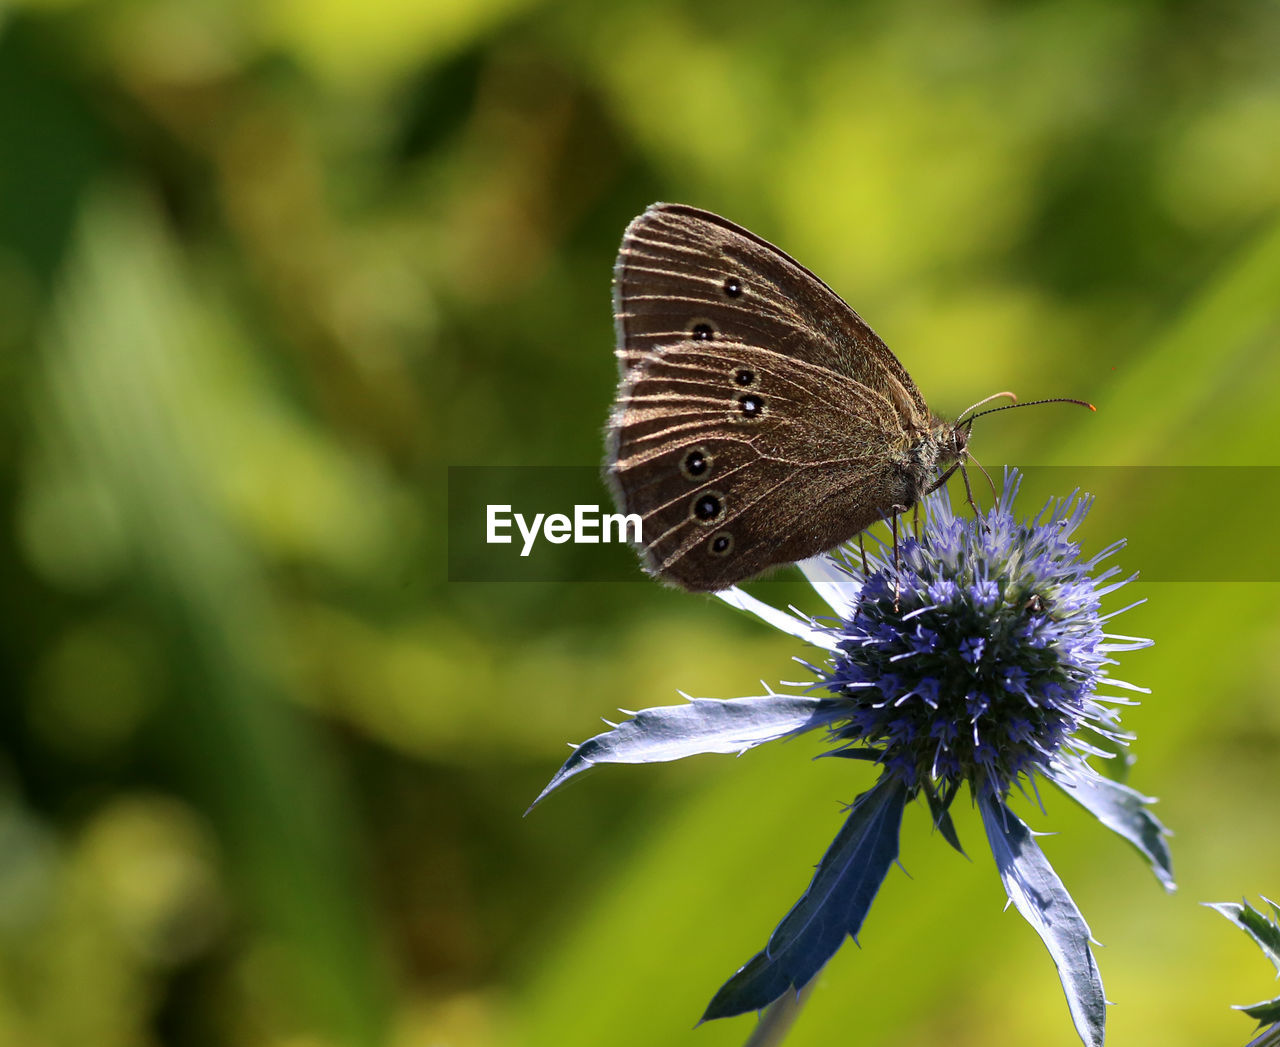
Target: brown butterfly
(759,420)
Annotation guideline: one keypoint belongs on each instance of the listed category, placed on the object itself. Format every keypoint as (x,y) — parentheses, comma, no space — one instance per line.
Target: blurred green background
(267,269)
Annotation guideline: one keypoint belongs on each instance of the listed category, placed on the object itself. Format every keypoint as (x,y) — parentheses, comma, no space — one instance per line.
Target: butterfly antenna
(985,400)
(1030,403)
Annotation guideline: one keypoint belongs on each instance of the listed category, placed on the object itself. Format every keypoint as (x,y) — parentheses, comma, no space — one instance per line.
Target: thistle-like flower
(973,656)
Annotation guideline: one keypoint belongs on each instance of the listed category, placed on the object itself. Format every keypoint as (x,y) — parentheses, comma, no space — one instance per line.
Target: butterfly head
(943,444)
(953,439)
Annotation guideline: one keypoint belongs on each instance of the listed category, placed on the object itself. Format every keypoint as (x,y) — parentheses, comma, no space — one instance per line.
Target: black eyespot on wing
(743,376)
(733,287)
(707,507)
(720,544)
(695,463)
(751,405)
(702,332)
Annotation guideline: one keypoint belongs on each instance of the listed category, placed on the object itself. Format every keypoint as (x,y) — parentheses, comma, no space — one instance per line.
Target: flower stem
(776,1019)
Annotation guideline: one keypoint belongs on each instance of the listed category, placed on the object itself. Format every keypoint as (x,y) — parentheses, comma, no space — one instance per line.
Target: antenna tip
(1091,407)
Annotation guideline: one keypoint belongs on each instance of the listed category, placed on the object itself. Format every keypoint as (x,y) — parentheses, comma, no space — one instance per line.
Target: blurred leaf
(360,45)
(126,331)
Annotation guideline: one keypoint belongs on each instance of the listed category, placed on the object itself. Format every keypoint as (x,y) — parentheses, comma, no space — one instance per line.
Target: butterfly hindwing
(738,458)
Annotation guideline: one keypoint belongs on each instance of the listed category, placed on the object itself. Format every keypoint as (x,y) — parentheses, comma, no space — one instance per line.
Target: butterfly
(759,420)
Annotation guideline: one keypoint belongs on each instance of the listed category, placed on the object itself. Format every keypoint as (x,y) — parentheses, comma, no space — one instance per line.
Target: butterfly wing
(759,419)
(731,478)
(680,267)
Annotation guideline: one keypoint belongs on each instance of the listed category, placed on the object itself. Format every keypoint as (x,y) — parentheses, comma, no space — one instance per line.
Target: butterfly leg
(942,479)
(995,497)
(896,608)
(968,493)
(896,509)
(862,551)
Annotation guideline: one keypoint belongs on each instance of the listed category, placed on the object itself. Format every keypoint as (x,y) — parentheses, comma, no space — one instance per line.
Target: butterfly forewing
(679,267)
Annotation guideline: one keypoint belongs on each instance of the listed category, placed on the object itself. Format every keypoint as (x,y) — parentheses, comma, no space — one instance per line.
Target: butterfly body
(759,420)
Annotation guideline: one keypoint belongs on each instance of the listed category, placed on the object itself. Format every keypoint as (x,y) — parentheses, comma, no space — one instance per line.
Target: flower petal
(1036,891)
(942,819)
(834,905)
(703,725)
(1121,809)
(788,623)
(837,587)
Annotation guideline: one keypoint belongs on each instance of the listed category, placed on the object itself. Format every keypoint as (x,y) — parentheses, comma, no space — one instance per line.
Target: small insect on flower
(974,657)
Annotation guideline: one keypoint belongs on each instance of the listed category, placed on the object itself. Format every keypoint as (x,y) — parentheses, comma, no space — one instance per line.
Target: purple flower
(974,658)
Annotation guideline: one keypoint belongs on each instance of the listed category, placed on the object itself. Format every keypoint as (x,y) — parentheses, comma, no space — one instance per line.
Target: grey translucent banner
(1182,523)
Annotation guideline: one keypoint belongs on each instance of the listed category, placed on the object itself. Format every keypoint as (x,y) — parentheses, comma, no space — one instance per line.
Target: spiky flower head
(977,656)
(974,654)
